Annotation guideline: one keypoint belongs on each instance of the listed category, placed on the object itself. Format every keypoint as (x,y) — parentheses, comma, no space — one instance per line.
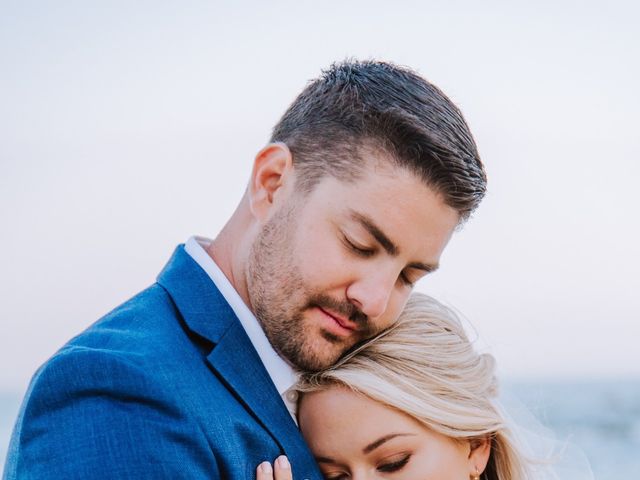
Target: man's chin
(322,355)
(315,365)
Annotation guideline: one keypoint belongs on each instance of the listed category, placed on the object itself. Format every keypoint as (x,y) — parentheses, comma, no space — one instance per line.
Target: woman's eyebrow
(373,445)
(326,460)
(369,448)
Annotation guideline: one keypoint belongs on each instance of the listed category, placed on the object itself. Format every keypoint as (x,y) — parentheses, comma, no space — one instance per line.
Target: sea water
(602,418)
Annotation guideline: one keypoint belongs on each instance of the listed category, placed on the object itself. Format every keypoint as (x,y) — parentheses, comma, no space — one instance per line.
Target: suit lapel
(238,365)
(233,357)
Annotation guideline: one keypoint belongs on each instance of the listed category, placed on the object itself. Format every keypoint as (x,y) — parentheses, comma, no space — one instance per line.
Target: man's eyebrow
(375,231)
(372,446)
(386,243)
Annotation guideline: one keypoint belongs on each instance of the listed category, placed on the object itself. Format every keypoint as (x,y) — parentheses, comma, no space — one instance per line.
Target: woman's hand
(281,470)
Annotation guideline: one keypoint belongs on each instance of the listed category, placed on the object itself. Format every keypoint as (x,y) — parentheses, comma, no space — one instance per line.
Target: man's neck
(222,252)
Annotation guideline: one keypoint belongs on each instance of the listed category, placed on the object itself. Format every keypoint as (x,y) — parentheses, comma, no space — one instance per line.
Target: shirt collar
(281,373)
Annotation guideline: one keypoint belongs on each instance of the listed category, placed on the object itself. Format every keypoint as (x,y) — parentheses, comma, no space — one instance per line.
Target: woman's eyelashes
(388,466)
(394,466)
(335,476)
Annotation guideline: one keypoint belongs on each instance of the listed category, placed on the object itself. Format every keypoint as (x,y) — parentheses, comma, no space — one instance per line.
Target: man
(366,176)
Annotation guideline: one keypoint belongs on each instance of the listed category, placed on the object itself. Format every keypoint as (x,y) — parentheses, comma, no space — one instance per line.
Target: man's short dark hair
(357,105)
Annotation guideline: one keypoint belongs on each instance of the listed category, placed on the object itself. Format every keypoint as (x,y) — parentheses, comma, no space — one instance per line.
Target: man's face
(334,267)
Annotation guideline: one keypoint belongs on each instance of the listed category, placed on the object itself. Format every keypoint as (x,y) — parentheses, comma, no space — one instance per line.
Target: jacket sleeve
(97,414)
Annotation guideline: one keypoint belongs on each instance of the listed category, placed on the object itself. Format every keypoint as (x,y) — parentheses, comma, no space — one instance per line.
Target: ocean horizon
(601,418)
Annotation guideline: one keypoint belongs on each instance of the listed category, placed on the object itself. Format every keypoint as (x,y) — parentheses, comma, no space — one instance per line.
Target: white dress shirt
(282,374)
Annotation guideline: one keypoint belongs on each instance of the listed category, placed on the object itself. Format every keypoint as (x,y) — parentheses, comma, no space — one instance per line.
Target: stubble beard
(280,299)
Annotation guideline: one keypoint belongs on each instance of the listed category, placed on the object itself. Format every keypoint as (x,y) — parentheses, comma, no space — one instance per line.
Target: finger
(282,468)
(264,471)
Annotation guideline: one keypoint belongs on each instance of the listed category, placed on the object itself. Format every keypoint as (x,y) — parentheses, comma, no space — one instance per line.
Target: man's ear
(479,455)
(271,176)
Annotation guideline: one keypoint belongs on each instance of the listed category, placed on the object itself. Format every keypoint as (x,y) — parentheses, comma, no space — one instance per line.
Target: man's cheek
(324,265)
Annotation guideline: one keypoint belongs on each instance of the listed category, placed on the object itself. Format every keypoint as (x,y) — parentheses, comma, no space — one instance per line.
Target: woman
(415,402)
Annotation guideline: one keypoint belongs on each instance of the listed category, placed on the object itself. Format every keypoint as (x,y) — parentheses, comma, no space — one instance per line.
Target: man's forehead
(367,161)
(380,179)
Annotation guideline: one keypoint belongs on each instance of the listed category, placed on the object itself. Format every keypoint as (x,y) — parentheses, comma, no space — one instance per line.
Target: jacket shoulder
(145,328)
(103,406)
(95,413)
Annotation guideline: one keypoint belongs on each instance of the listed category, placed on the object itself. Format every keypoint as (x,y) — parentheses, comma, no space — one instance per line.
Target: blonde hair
(426,366)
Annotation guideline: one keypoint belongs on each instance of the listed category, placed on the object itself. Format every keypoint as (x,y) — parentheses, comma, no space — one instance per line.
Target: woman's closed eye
(394,464)
(335,476)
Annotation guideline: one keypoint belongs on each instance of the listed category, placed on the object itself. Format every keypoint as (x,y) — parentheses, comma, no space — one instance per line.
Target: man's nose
(371,294)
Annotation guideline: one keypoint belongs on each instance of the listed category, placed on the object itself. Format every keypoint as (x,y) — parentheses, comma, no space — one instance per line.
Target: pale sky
(126,127)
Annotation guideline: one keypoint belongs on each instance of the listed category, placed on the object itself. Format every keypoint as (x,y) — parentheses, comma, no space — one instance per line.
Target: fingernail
(283,462)
(266,468)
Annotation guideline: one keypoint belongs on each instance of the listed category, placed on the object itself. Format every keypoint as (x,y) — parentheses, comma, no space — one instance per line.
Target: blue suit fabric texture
(168,385)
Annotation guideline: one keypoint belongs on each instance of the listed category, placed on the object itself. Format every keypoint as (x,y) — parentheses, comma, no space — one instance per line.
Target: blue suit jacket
(168,385)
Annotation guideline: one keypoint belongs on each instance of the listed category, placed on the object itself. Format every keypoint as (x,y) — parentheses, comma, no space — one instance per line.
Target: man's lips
(343,322)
